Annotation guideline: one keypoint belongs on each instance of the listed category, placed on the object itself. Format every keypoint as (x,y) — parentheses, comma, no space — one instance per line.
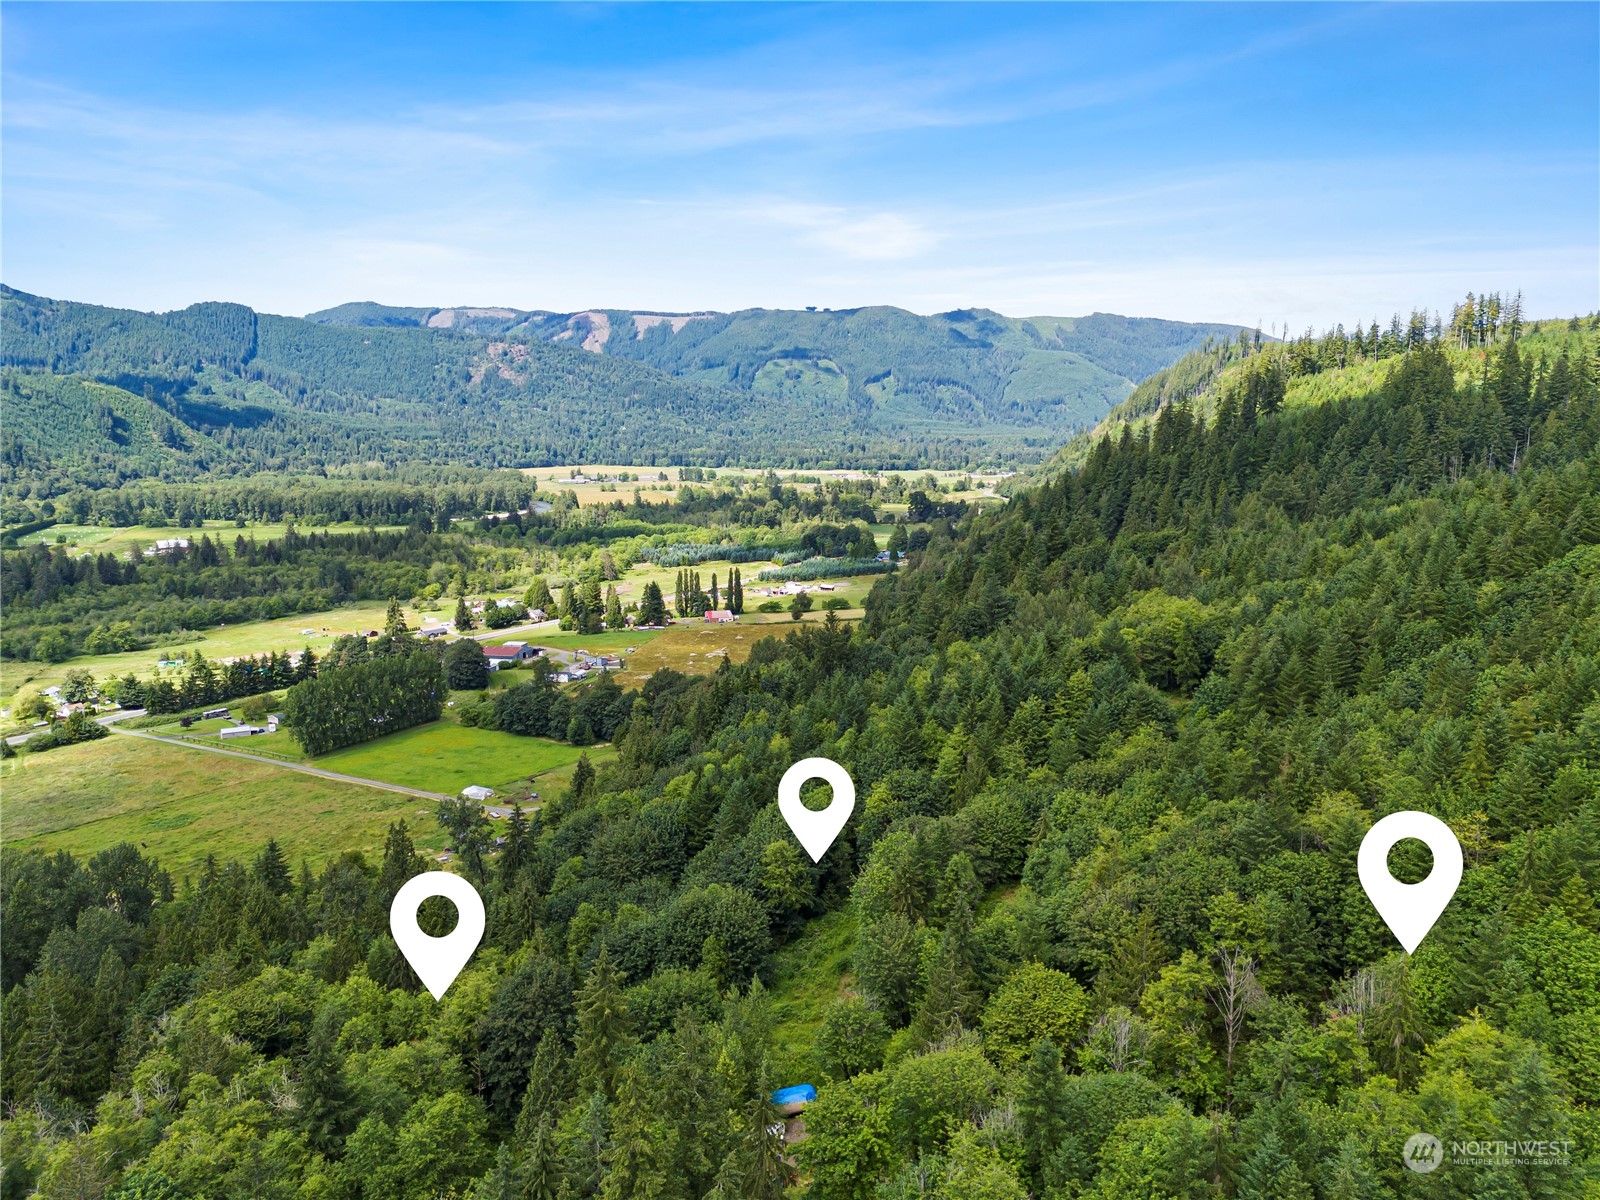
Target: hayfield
(445,757)
(226,641)
(181,804)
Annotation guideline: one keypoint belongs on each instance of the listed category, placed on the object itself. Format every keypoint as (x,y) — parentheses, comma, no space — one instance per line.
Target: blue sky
(1296,164)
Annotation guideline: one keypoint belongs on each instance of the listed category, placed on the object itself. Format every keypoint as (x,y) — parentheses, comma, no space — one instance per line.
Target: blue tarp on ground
(800,1093)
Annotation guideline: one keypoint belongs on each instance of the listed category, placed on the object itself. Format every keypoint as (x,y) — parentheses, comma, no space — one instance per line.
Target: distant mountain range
(1076,354)
(96,394)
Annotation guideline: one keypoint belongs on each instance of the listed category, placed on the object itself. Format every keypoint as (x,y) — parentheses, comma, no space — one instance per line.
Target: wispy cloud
(1159,161)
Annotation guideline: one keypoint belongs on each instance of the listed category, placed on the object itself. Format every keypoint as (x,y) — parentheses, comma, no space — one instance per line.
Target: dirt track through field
(287,766)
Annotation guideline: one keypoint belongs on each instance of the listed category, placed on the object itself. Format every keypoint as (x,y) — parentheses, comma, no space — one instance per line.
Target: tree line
(347,705)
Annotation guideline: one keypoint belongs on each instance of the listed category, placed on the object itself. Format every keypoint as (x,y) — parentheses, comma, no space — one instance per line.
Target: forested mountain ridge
(1116,745)
(1313,369)
(880,356)
(220,388)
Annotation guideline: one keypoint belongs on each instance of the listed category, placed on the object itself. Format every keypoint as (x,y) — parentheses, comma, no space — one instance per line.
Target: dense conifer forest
(1115,743)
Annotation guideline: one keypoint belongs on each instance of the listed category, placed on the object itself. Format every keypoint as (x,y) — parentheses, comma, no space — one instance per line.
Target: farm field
(446,757)
(181,804)
(228,641)
(697,649)
(119,539)
(438,757)
(651,491)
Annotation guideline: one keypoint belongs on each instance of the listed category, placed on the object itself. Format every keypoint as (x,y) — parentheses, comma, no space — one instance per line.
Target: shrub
(79,727)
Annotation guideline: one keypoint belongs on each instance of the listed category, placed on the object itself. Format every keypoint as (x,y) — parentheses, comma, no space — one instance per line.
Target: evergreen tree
(272,868)
(613,610)
(538,595)
(463,618)
(604,1028)
(541,1169)
(514,854)
(1042,1111)
(1270,1174)
(1350,1174)
(593,608)
(326,1106)
(635,1164)
(400,863)
(652,610)
(394,621)
(549,1086)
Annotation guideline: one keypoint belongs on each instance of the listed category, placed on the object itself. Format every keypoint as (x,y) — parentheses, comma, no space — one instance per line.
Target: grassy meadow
(446,757)
(119,539)
(181,804)
(224,641)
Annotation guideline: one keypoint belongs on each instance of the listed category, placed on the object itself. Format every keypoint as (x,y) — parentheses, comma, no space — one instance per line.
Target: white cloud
(725,186)
(861,236)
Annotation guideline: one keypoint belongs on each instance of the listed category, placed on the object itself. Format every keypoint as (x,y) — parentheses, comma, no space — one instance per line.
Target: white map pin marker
(437,960)
(816,830)
(1409,909)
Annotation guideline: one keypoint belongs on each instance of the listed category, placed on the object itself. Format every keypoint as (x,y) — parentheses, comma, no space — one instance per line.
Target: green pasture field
(445,757)
(119,539)
(180,804)
(280,745)
(591,643)
(76,537)
(227,641)
(441,756)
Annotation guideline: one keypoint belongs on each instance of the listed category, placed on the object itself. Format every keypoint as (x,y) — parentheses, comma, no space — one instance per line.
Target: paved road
(288,766)
(122,714)
(484,635)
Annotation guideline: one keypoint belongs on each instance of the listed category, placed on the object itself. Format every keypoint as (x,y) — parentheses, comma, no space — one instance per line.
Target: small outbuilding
(510,654)
(477,792)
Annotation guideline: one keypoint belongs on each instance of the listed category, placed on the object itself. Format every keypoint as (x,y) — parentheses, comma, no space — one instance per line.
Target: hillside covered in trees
(1338,364)
(891,359)
(1098,924)
(100,396)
